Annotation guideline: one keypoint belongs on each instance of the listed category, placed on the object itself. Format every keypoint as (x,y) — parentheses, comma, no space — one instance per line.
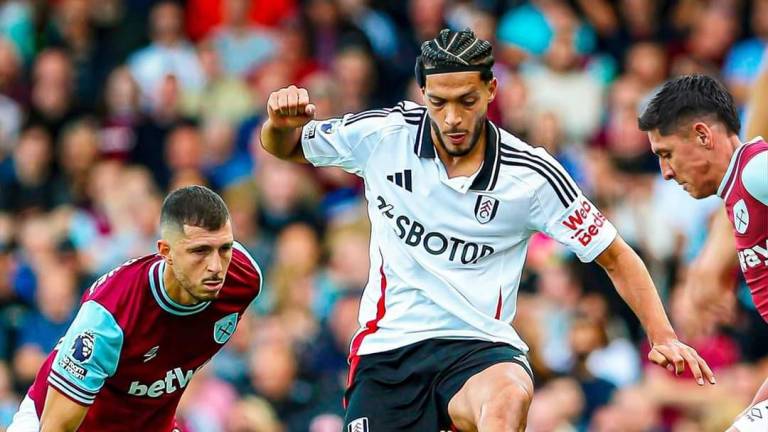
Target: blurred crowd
(106,105)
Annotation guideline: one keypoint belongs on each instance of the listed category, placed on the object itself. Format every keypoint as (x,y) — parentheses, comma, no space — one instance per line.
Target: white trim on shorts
(25,419)
(755,419)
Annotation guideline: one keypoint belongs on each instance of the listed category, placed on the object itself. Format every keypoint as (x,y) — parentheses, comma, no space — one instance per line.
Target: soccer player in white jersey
(453,201)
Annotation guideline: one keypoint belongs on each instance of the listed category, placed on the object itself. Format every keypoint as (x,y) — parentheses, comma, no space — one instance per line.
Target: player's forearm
(60,423)
(634,284)
(57,427)
(281,142)
(718,255)
(61,414)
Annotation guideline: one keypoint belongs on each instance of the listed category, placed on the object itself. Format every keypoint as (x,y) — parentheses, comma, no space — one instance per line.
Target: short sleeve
(255,269)
(87,355)
(754,176)
(342,142)
(560,210)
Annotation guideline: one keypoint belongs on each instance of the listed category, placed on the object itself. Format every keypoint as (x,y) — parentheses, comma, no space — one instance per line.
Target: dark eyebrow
(471,93)
(205,246)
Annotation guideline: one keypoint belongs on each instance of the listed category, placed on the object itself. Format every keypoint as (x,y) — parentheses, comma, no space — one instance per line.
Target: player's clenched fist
(289,108)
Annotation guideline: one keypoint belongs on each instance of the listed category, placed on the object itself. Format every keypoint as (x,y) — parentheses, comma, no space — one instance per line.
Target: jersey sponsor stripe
(239,247)
(562,176)
(69,390)
(75,387)
(732,180)
(498,306)
(161,296)
(544,173)
(420,136)
(398,108)
(70,395)
(371,111)
(407,115)
(370,327)
(369,116)
(497,157)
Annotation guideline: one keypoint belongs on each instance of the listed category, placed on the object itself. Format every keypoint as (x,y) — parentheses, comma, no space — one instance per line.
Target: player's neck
(466,165)
(175,291)
(723,162)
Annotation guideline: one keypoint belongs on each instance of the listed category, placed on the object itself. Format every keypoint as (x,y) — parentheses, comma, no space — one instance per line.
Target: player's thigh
(754,419)
(25,419)
(507,382)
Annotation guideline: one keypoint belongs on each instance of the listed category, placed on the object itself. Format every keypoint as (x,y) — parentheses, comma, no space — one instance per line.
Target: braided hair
(456,48)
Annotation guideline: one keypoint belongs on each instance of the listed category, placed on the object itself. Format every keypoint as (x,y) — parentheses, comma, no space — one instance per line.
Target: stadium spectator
(222,96)
(170,53)
(240,45)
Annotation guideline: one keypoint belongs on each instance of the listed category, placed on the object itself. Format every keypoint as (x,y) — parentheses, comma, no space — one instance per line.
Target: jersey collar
(157,286)
(489,172)
(729,173)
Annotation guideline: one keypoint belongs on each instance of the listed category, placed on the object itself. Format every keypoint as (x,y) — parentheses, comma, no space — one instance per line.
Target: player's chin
(208,294)
(697,193)
(458,150)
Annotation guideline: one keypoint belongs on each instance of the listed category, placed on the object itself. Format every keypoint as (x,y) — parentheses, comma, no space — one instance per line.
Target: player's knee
(510,403)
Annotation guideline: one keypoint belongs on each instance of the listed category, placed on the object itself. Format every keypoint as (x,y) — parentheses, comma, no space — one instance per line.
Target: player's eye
(469,102)
(437,103)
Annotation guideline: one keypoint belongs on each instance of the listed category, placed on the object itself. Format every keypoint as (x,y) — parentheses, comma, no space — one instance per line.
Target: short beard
(472,140)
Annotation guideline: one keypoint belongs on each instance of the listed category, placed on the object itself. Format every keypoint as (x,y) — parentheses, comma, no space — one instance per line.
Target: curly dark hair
(459,49)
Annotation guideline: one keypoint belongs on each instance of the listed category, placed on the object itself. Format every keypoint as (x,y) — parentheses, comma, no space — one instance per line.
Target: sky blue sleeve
(755,177)
(88,354)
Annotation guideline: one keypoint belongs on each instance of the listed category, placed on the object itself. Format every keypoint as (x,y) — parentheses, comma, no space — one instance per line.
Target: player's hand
(289,108)
(674,355)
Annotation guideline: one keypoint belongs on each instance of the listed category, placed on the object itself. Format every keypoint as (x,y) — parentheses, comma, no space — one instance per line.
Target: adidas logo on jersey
(163,386)
(754,256)
(402,179)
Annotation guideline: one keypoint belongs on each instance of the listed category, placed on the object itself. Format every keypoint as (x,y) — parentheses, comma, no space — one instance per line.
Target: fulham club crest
(485,208)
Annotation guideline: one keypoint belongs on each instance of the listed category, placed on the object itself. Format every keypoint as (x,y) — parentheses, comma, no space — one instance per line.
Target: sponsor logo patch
(740,216)
(584,222)
(224,328)
(309,130)
(72,368)
(358,425)
(756,256)
(485,208)
(82,348)
(329,127)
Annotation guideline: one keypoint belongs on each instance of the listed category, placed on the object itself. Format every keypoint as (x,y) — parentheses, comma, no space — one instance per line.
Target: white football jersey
(447,254)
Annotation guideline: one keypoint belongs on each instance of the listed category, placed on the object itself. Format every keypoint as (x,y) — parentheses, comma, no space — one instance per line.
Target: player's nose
(452,117)
(215,264)
(666,170)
